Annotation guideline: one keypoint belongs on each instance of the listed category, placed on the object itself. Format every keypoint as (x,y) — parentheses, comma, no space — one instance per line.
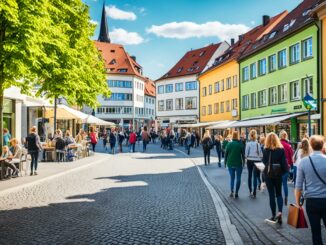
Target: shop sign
(297,107)
(309,102)
(278,110)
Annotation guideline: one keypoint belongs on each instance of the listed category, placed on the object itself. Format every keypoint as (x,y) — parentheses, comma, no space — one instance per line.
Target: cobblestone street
(154,198)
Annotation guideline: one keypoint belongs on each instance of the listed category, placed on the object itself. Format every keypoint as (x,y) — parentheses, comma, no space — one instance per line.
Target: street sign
(309,102)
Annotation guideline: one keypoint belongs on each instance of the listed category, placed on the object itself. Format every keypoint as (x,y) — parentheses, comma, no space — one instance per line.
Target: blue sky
(159,32)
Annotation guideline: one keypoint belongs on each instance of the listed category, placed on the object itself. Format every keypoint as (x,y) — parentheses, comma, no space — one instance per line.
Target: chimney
(240,38)
(133,57)
(266,19)
(232,41)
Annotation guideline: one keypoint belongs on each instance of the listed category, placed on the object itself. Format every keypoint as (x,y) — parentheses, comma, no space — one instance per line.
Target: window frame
(279,60)
(274,64)
(245,71)
(253,100)
(245,102)
(270,95)
(260,62)
(298,52)
(303,49)
(166,104)
(285,100)
(265,99)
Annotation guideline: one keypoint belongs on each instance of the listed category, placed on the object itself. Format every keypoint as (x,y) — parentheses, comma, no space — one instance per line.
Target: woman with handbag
(275,166)
(253,154)
(311,175)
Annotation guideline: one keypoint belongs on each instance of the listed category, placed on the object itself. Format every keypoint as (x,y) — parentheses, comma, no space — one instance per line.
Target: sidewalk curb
(45,179)
(229,230)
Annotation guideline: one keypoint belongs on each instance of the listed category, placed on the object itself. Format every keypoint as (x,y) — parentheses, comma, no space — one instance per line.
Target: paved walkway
(249,214)
(152,198)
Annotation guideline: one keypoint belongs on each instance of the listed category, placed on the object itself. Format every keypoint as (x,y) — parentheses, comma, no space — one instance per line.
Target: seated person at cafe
(58,134)
(6,157)
(17,151)
(80,136)
(69,139)
(60,147)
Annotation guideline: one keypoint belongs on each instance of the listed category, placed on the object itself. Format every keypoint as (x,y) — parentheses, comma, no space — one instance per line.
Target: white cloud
(118,14)
(253,22)
(183,30)
(94,22)
(142,10)
(122,36)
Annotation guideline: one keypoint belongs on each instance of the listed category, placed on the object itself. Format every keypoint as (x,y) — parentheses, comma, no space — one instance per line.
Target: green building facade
(276,78)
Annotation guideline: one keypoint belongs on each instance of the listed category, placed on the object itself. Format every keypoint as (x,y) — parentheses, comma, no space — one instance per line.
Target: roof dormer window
(286,27)
(202,53)
(272,35)
(190,69)
(306,12)
(112,62)
(122,70)
(180,69)
(112,51)
(292,22)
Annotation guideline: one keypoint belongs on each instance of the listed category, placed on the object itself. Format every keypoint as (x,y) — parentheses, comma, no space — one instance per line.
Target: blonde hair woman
(207,144)
(234,158)
(275,167)
(253,154)
(303,150)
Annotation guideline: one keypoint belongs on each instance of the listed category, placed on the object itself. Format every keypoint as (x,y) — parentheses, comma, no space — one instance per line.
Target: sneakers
(35,173)
(31,174)
(271,220)
(236,195)
(231,194)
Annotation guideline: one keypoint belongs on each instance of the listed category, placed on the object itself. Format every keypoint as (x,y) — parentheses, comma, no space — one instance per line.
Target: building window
(228,83)
(282,93)
(168,88)
(262,67)
(294,90)
(179,104)
(222,85)
(253,71)
(203,110)
(191,103)
(307,48)
(217,87)
(245,102)
(178,87)
(307,86)
(282,59)
(234,104)
(295,53)
(222,107)
(253,100)
(160,89)
(235,81)
(160,105)
(273,96)
(120,97)
(210,89)
(169,105)
(227,105)
(210,110)
(119,84)
(191,85)
(262,98)
(204,91)
(216,107)
(272,63)
(245,72)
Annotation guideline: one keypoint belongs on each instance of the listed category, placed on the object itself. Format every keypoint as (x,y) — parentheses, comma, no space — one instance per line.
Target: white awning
(194,125)
(222,125)
(264,121)
(94,120)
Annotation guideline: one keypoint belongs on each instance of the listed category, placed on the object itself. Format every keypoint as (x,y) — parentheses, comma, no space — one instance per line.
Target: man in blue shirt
(311,180)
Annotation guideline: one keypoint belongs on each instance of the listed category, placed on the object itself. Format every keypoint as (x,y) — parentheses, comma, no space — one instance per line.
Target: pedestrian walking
(33,147)
(112,140)
(104,139)
(93,137)
(234,159)
(225,142)
(207,144)
(289,156)
(187,140)
(145,138)
(197,138)
(121,137)
(218,146)
(132,141)
(311,178)
(253,154)
(303,150)
(275,167)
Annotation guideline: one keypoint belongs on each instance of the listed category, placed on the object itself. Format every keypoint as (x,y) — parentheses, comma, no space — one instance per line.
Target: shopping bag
(296,217)
(260,166)
(293,215)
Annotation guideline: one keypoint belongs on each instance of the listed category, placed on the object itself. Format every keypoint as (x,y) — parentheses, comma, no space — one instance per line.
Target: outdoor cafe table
(48,150)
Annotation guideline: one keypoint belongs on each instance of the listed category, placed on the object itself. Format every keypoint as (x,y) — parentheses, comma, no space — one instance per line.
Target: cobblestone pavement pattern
(155,198)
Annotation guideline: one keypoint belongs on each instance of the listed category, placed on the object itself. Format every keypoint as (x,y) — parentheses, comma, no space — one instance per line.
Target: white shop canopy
(194,125)
(94,120)
(264,121)
(222,124)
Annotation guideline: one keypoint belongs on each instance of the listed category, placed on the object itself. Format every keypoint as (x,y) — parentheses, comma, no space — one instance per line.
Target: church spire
(104,30)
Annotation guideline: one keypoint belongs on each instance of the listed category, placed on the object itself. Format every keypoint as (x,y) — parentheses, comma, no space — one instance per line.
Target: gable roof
(150,88)
(117,60)
(299,17)
(235,51)
(193,62)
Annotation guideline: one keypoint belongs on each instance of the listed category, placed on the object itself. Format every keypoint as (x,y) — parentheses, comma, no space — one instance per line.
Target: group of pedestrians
(271,162)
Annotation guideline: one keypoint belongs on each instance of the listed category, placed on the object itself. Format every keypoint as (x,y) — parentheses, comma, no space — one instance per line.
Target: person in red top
(132,141)
(289,156)
(93,137)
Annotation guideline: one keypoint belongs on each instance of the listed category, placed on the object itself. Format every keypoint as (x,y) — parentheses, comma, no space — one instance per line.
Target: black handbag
(274,170)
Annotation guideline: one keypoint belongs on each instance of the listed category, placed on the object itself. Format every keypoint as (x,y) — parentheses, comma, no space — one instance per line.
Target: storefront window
(9,115)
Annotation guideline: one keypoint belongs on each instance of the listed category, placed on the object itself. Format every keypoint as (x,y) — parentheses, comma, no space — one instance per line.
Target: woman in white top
(253,154)
(303,150)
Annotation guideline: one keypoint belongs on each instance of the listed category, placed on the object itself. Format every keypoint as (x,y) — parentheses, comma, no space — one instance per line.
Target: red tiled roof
(234,51)
(193,62)
(150,88)
(117,60)
(293,21)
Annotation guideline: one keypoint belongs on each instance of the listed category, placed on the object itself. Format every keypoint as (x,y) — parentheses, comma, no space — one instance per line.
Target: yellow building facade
(321,13)
(219,93)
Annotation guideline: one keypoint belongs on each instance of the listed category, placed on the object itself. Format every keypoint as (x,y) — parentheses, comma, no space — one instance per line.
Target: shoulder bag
(274,170)
(313,166)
